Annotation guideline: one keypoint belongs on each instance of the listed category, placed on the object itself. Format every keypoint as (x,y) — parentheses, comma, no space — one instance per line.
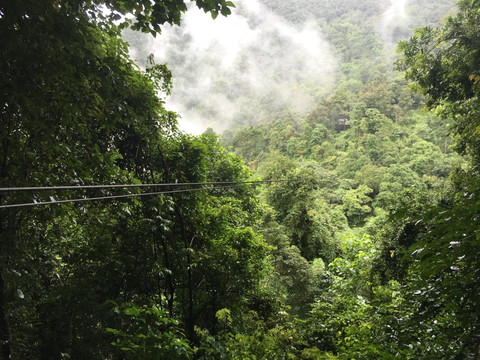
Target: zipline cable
(55,202)
(113,186)
(108,197)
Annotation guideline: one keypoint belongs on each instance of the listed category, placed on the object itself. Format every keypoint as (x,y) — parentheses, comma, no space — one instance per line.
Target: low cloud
(394,21)
(239,70)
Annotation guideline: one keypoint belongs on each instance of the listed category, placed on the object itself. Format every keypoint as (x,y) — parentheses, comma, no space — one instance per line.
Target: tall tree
(76,110)
(444,258)
(444,64)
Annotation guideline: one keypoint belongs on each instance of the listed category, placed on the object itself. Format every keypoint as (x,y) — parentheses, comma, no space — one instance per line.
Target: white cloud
(394,17)
(235,68)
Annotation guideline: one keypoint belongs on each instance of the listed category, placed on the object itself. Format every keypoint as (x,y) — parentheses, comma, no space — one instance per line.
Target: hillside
(272,56)
(335,217)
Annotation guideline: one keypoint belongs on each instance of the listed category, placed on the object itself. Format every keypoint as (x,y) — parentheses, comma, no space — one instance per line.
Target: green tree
(442,278)
(396,179)
(444,64)
(371,176)
(296,207)
(355,317)
(148,15)
(250,142)
(149,334)
(70,115)
(254,337)
(356,204)
(76,110)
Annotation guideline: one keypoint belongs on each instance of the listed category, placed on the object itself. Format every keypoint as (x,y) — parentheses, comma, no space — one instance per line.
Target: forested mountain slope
(362,158)
(271,56)
(122,237)
(375,163)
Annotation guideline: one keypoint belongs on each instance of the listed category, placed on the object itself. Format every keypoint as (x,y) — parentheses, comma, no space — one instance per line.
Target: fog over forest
(225,66)
(226,69)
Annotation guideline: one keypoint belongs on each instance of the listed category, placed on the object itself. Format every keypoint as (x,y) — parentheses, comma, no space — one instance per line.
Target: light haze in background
(226,69)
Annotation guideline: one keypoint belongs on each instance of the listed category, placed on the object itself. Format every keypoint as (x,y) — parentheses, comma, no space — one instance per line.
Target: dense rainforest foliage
(367,248)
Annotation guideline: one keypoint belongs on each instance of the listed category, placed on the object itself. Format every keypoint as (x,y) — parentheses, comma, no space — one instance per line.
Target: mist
(394,23)
(393,19)
(242,69)
(254,64)
(400,17)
